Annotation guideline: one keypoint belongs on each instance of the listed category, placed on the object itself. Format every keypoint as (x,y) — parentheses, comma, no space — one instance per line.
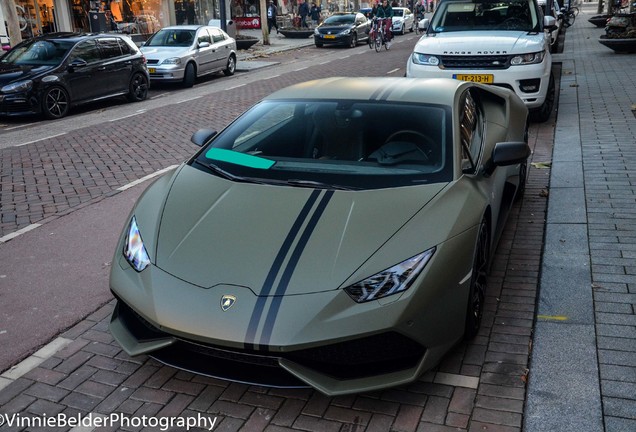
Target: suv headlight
(16,87)
(425,59)
(134,249)
(172,60)
(393,280)
(525,59)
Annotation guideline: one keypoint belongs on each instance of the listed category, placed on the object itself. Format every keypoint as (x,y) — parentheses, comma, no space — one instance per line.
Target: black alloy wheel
(138,88)
(542,114)
(478,280)
(55,103)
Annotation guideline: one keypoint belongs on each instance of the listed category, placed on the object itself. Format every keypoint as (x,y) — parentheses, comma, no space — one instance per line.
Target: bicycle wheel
(387,44)
(378,42)
(371,40)
(417,26)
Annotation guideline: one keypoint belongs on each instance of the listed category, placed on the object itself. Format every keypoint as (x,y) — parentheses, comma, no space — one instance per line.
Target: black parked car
(344,28)
(49,74)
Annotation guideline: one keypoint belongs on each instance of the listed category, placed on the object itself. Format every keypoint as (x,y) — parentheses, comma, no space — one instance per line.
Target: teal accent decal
(237,158)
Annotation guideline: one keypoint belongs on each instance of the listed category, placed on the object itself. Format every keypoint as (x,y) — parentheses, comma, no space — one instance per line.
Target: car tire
(55,103)
(403,30)
(477,292)
(231,66)
(138,88)
(189,75)
(354,41)
(542,114)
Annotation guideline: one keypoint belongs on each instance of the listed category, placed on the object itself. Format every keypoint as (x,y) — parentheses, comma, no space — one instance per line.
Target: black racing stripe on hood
(291,266)
(275,269)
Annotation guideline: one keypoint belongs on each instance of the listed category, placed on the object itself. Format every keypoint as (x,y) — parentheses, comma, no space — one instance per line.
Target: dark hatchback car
(345,28)
(49,74)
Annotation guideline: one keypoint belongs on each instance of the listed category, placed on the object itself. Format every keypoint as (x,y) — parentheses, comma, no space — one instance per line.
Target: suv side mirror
(423,25)
(549,22)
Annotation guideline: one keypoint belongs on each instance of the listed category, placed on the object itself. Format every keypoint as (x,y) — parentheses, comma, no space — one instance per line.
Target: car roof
(436,90)
(185,27)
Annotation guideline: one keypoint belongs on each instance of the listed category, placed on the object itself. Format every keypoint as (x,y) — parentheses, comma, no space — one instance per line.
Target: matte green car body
(216,245)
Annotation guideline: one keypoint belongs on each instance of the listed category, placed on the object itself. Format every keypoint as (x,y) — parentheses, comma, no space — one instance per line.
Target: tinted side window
(124,47)
(203,36)
(109,47)
(86,51)
(470,132)
(217,36)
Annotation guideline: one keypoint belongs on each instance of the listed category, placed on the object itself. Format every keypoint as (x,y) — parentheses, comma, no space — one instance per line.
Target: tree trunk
(264,23)
(13,26)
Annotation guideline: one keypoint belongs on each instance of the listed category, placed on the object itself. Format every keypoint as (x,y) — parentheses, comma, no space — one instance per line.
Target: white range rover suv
(500,42)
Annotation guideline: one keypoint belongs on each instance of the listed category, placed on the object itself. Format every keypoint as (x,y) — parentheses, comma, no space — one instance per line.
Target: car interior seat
(337,134)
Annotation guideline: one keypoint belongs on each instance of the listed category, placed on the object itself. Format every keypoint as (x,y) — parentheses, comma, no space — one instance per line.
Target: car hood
(14,73)
(161,53)
(214,231)
(327,29)
(475,43)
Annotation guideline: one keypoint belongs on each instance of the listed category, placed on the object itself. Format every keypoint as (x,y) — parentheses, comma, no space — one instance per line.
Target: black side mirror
(203,136)
(507,153)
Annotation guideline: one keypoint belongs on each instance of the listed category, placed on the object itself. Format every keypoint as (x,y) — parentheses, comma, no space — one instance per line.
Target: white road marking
(148,177)
(19,232)
(40,139)
(130,115)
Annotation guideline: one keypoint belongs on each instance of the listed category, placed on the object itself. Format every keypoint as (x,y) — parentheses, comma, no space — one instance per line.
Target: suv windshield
(341,144)
(38,53)
(520,15)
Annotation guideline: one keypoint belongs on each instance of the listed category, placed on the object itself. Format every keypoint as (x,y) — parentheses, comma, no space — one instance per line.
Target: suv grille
(476,62)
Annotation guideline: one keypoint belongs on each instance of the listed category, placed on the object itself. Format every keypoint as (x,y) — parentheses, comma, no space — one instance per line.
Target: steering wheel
(512,23)
(404,145)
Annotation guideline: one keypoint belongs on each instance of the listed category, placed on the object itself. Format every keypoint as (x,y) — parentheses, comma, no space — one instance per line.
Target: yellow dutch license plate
(330,36)
(483,78)
(151,70)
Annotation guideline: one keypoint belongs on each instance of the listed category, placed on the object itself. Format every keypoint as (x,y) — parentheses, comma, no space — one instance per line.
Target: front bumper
(166,72)
(336,40)
(19,104)
(334,345)
(513,77)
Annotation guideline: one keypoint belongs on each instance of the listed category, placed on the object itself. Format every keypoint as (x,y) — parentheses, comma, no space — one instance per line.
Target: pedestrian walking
(303,11)
(315,13)
(272,11)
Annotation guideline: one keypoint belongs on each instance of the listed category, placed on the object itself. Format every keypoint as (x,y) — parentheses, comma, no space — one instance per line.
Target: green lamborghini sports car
(336,235)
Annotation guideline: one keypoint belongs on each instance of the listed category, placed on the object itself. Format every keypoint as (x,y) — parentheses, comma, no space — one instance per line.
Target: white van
(499,42)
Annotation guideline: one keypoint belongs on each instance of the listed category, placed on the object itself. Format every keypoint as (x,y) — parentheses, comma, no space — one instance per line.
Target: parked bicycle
(568,15)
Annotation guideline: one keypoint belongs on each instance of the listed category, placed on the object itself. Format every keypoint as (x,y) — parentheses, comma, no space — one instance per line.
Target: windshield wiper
(317,184)
(228,175)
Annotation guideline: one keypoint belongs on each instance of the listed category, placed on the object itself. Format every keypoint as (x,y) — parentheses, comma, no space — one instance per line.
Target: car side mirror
(204,44)
(203,136)
(507,153)
(549,22)
(423,25)
(76,63)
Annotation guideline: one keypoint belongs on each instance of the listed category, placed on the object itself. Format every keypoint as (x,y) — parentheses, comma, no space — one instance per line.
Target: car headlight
(425,59)
(345,32)
(393,280)
(134,249)
(19,86)
(172,60)
(525,59)
(316,32)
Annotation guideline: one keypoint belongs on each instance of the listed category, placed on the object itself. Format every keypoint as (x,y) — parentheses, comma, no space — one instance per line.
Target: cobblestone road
(479,386)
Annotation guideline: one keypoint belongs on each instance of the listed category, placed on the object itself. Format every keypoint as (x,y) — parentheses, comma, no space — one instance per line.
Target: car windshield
(172,38)
(398,12)
(518,15)
(340,19)
(38,53)
(341,144)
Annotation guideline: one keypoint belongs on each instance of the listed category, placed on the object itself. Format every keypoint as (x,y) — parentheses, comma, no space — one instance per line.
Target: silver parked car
(183,53)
